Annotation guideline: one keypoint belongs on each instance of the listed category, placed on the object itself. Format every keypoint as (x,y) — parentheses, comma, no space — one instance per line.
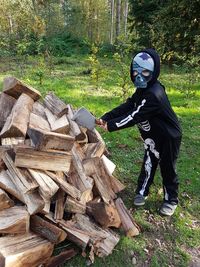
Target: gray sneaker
(168,209)
(139,200)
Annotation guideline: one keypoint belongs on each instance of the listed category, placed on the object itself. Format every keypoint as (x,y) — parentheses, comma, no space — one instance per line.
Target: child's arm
(148,107)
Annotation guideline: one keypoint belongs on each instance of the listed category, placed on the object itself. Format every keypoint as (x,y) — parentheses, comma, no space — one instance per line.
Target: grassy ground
(163,241)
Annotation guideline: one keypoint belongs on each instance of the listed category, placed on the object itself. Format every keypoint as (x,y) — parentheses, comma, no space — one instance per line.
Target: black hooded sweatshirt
(149,108)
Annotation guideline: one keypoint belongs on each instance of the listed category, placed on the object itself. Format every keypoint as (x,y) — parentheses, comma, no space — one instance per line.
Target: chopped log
(116,185)
(74,234)
(60,205)
(55,105)
(7,184)
(47,206)
(22,182)
(93,150)
(15,88)
(24,250)
(42,160)
(51,118)
(47,187)
(103,241)
(68,188)
(61,125)
(109,165)
(17,122)
(5,201)
(106,215)
(77,157)
(14,220)
(47,140)
(32,200)
(39,109)
(6,104)
(47,230)
(74,206)
(73,125)
(130,227)
(61,258)
(94,167)
(12,141)
(38,122)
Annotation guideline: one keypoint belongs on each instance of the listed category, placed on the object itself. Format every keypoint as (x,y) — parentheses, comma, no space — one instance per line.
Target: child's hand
(102,124)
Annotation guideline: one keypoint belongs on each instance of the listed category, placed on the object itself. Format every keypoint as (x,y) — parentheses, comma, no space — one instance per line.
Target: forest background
(81,50)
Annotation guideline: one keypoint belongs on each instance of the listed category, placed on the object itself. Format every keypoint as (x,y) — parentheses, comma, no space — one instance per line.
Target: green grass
(163,241)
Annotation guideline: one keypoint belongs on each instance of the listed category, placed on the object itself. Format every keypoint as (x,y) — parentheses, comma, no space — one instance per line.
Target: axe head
(84,118)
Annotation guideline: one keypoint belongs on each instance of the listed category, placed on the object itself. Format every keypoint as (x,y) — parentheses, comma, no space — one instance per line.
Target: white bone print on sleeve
(130,117)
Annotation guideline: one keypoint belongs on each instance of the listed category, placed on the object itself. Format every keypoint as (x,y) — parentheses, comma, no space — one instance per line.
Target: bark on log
(47,140)
(129,226)
(55,105)
(15,88)
(6,104)
(47,230)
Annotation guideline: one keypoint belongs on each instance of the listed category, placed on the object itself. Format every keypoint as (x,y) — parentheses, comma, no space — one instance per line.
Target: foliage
(97,71)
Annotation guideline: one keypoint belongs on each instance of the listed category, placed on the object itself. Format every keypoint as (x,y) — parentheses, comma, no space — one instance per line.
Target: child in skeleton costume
(150,109)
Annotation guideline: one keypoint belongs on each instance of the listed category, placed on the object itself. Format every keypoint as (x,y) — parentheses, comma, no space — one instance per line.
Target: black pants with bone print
(164,154)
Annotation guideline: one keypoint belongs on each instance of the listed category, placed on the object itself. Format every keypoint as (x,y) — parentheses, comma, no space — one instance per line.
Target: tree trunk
(112,3)
(118,18)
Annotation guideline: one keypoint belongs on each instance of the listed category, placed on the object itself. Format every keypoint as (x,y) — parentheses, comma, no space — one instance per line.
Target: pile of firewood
(56,182)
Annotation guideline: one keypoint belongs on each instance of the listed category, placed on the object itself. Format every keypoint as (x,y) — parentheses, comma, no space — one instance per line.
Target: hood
(152,52)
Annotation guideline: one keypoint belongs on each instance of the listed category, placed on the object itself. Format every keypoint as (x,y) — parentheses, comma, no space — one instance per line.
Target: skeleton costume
(150,109)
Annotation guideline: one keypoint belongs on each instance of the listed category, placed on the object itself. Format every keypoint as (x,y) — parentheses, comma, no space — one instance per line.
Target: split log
(93,150)
(68,188)
(74,206)
(24,250)
(38,122)
(75,129)
(61,258)
(61,125)
(39,110)
(32,200)
(60,205)
(106,215)
(130,227)
(42,160)
(6,104)
(47,230)
(47,140)
(55,105)
(94,167)
(116,185)
(14,220)
(77,236)
(109,165)
(17,122)
(22,182)
(103,241)
(12,141)
(5,201)
(77,157)
(14,87)
(47,187)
